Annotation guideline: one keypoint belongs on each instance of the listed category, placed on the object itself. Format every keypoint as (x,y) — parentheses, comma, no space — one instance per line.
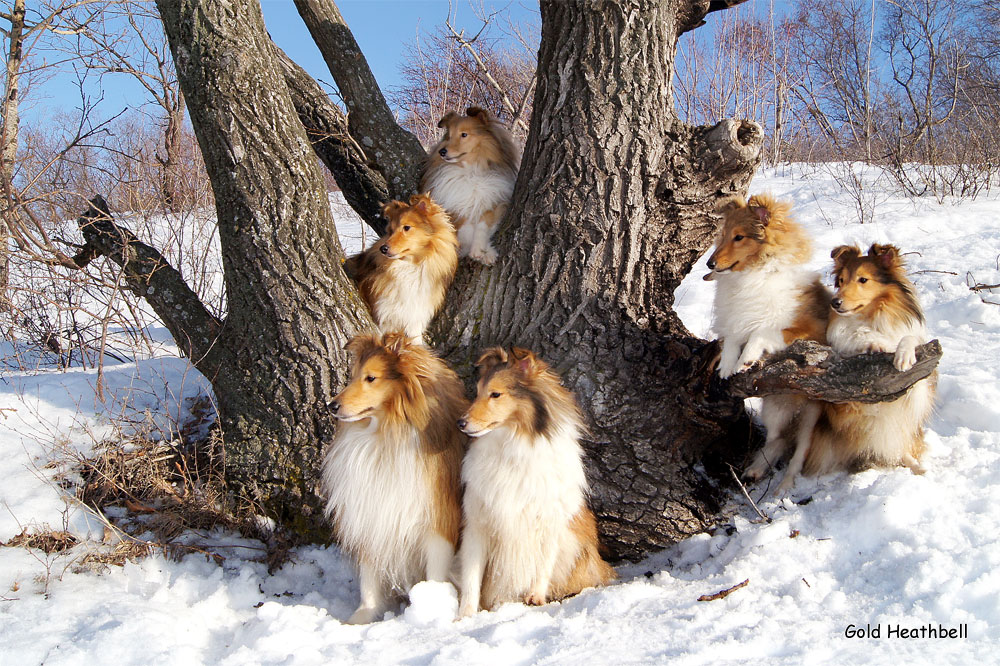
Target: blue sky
(383,29)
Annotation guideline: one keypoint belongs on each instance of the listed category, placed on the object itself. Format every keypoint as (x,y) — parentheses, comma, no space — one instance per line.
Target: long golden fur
(874,309)
(529,535)
(764,300)
(404,276)
(392,474)
(471,172)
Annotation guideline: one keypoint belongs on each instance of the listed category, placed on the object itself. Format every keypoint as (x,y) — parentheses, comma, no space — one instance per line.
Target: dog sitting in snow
(875,309)
(391,475)
(765,298)
(471,172)
(528,534)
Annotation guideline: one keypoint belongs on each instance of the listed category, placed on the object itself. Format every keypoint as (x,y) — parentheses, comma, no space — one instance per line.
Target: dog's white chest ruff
(407,304)
(467,191)
(379,498)
(749,301)
(524,495)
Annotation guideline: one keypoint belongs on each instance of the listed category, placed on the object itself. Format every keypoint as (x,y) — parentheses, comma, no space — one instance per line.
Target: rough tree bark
(612,208)
(370,121)
(364,188)
(816,371)
(291,308)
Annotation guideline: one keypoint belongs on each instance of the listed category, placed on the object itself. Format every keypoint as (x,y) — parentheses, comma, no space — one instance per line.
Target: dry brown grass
(49,541)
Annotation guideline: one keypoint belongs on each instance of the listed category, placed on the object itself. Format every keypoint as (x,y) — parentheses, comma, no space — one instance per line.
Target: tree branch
(693,16)
(818,372)
(149,276)
(391,149)
(326,125)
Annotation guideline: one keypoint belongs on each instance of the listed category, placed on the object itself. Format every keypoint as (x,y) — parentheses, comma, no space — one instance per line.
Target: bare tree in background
(127,39)
(24,29)
(450,70)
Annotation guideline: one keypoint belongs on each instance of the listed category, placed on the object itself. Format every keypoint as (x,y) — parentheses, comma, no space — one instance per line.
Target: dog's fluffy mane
(552,405)
(899,305)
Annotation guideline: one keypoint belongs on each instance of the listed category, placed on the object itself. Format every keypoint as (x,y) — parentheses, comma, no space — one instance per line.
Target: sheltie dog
(528,534)
(392,473)
(403,277)
(874,309)
(765,298)
(471,172)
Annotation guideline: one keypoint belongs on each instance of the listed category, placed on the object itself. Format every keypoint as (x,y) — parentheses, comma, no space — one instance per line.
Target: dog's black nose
(711,264)
(462,423)
(836,303)
(384,249)
(443,152)
(334,406)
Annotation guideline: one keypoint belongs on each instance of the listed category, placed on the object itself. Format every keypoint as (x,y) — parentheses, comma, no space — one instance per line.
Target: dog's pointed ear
(480,114)
(527,362)
(447,119)
(396,342)
(361,345)
(421,202)
(731,204)
(768,209)
(887,256)
(392,209)
(490,359)
(843,253)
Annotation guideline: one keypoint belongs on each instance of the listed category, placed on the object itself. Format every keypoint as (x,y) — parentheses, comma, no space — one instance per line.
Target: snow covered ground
(882,548)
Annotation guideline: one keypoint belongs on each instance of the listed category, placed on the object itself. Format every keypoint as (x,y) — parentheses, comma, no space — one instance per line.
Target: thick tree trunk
(291,308)
(612,207)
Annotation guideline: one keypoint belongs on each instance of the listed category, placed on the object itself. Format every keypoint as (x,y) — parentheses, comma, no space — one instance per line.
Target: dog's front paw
(364,615)
(757,470)
(786,485)
(467,610)
(906,354)
(535,599)
(727,367)
(485,255)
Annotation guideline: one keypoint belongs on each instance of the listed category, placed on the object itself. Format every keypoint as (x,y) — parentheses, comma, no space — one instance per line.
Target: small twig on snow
(760,513)
(722,594)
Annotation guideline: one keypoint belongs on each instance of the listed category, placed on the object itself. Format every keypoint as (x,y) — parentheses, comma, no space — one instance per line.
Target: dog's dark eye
(406,228)
(737,237)
(370,378)
(465,134)
(495,394)
(836,283)
(862,280)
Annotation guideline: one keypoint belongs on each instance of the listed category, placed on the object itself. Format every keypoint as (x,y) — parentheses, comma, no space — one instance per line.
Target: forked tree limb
(816,371)
(363,186)
(391,149)
(150,276)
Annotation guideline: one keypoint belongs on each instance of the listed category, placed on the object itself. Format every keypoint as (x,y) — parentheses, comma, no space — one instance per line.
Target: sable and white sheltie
(403,277)
(528,533)
(874,309)
(471,172)
(765,298)
(392,473)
